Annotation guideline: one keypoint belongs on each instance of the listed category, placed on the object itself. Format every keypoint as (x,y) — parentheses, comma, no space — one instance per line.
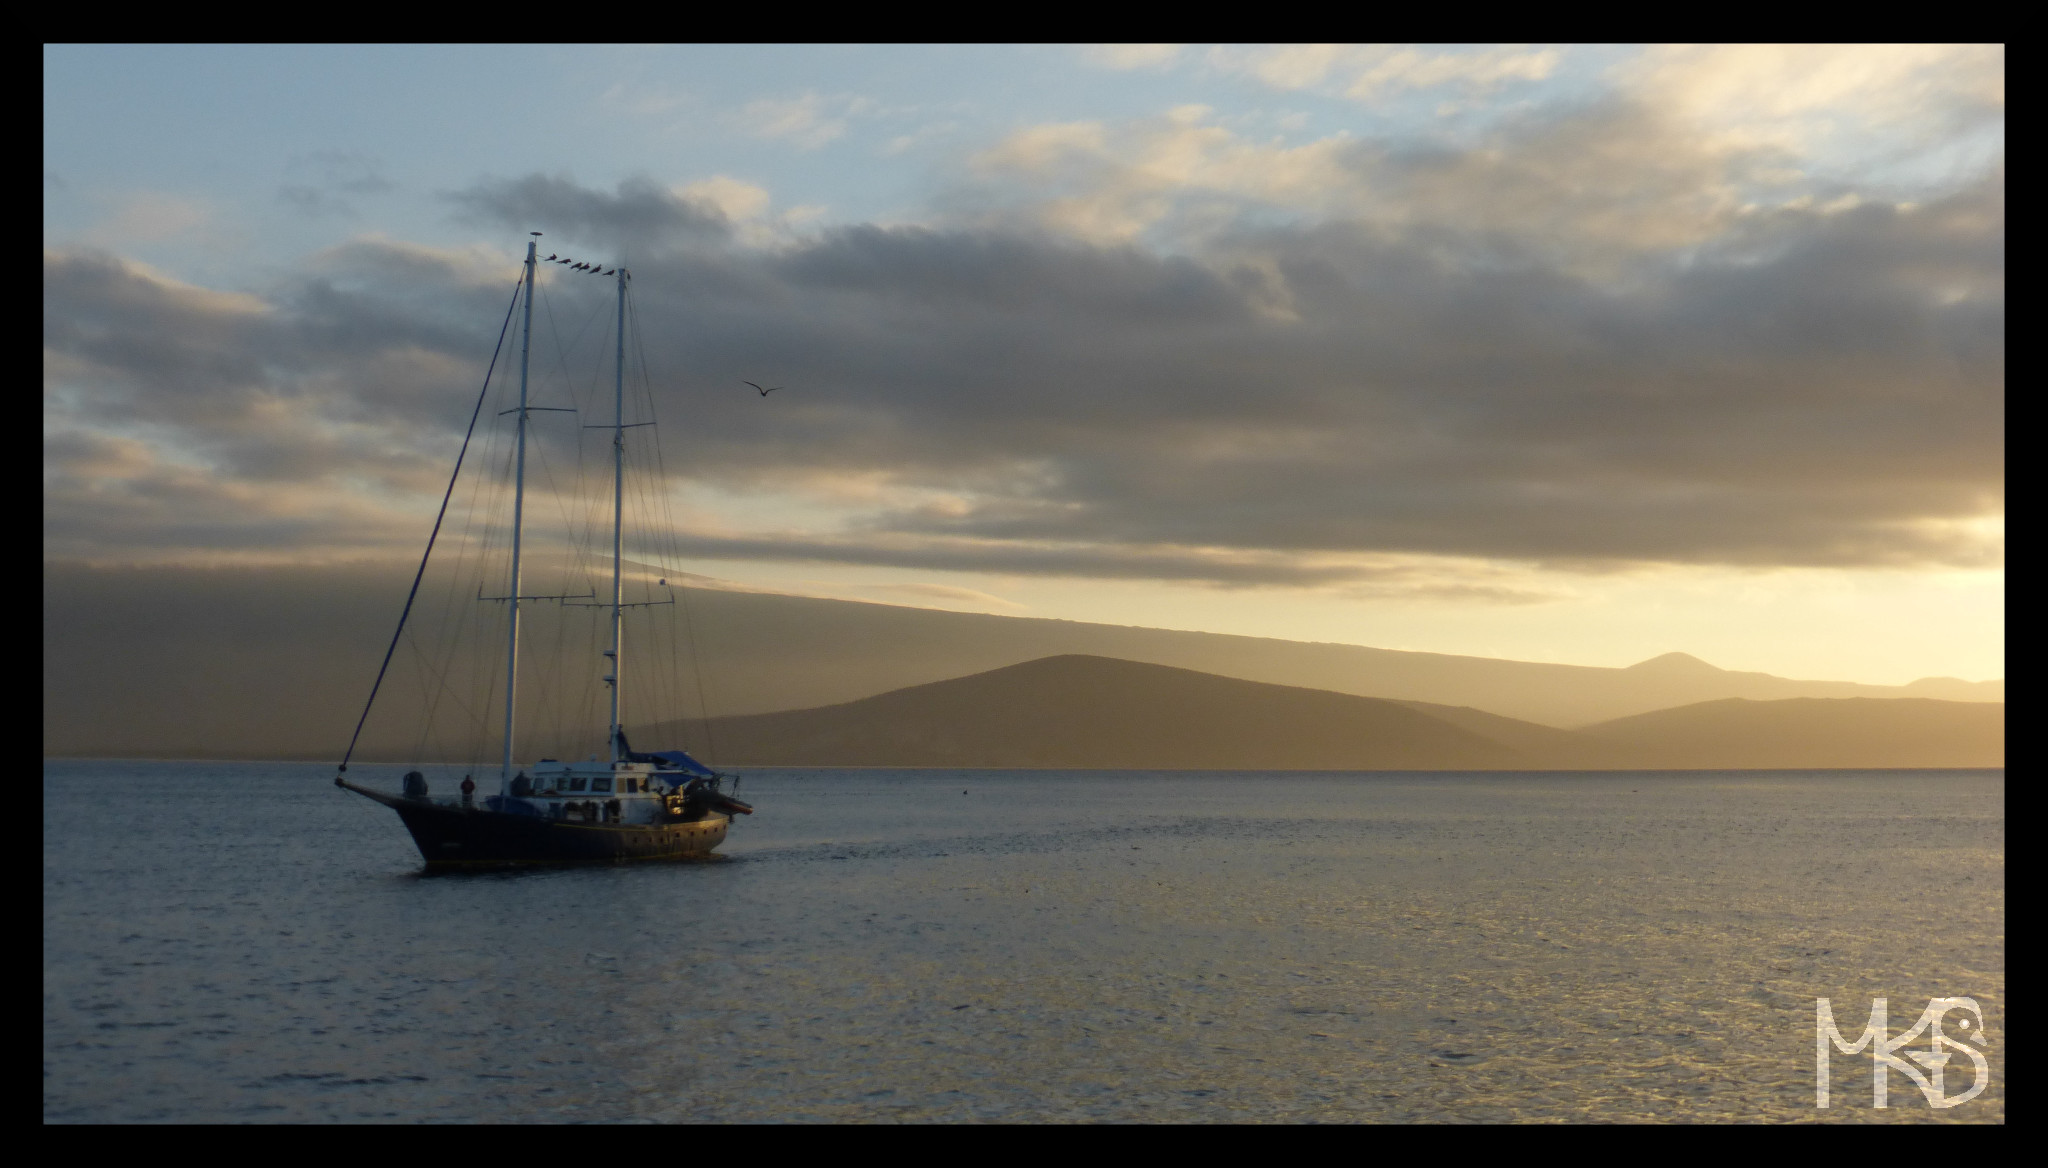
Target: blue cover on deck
(676,758)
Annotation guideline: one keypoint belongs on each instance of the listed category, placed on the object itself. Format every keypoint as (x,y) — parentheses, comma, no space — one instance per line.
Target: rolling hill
(1080,711)
(1101,713)
(1813,732)
(254,662)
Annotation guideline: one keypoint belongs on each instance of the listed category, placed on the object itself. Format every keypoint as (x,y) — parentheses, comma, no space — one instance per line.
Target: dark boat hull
(453,838)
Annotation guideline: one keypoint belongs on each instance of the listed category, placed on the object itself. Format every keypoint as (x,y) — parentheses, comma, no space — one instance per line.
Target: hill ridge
(1094,712)
(274,662)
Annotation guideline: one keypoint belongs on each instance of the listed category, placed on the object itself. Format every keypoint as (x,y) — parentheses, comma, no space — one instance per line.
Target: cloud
(904,143)
(1793,95)
(115,500)
(807,121)
(147,217)
(1475,72)
(1591,186)
(313,202)
(1592,336)
(734,199)
(326,182)
(1408,577)
(638,215)
(1366,72)
(183,422)
(1131,56)
(944,595)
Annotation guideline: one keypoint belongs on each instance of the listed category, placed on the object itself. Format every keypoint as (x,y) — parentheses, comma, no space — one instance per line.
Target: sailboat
(620,806)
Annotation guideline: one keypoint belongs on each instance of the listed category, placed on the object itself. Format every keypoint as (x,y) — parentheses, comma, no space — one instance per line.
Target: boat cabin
(594,791)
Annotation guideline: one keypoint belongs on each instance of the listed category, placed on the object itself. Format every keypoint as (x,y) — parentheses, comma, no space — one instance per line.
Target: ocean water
(243,942)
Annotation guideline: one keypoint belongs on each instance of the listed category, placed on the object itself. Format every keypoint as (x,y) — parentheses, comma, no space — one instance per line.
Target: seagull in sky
(764,392)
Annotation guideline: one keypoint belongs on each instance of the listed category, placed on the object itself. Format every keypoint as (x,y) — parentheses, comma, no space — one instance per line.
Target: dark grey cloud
(1803,387)
(638,217)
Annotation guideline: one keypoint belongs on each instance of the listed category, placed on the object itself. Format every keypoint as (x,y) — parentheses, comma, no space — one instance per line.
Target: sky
(1565,354)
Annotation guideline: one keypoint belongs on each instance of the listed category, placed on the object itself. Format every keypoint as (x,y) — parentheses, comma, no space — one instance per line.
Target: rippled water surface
(238,941)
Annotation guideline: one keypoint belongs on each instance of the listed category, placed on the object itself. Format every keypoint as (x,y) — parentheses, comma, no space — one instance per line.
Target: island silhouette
(1086,712)
(184,662)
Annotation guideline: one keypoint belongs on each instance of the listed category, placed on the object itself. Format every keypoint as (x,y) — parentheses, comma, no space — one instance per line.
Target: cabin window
(576,784)
(603,784)
(630,786)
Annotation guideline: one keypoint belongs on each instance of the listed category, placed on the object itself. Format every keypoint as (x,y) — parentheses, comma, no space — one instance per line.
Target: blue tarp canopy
(674,758)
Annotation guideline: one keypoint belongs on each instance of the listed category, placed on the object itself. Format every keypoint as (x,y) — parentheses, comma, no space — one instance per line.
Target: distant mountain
(254,662)
(1955,689)
(1537,746)
(1813,732)
(1098,713)
(1674,665)
(768,652)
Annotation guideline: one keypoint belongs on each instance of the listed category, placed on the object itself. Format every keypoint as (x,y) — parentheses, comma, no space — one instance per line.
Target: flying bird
(764,392)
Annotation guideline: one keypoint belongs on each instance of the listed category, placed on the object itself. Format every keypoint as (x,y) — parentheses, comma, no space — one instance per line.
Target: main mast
(618,511)
(518,516)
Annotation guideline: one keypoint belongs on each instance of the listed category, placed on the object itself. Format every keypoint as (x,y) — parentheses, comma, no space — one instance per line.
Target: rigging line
(438,516)
(423,673)
(579,547)
(462,619)
(650,496)
(449,631)
(662,503)
(466,622)
(426,671)
(561,350)
(441,690)
(558,699)
(478,538)
(497,541)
